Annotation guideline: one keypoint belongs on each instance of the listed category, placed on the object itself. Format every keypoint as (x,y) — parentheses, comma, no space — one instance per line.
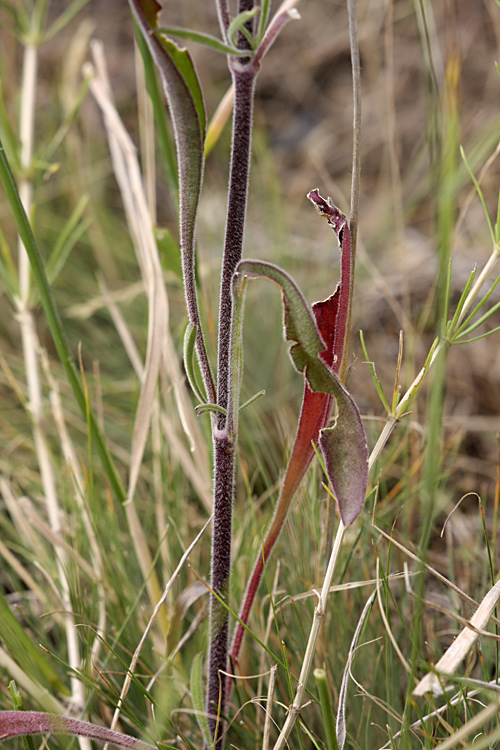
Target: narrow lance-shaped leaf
(187,109)
(332,319)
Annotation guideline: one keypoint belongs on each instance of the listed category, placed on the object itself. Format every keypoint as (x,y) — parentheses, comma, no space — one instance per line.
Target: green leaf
(185,67)
(264,17)
(206,39)
(253,399)
(168,248)
(17,700)
(238,24)
(187,110)
(196,687)
(343,445)
(189,357)
(167,148)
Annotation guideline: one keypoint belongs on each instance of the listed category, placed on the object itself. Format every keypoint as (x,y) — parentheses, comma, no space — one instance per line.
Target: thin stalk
(319,616)
(356,160)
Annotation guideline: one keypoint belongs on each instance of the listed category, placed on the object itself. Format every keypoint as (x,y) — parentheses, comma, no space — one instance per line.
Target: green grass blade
(54,322)
(73,229)
(478,307)
(8,272)
(373,373)
(481,196)
(196,687)
(461,302)
(64,18)
(478,338)
(7,135)
(480,321)
(325,702)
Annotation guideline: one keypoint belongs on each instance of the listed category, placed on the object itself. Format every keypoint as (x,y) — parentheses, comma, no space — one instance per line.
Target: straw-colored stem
(319,616)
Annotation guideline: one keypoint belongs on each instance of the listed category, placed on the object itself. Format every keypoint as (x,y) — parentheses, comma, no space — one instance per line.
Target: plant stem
(224,453)
(244,87)
(356,166)
(319,616)
(224,443)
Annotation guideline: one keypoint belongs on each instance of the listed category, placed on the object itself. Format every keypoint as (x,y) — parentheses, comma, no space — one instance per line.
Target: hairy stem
(224,459)
(225,443)
(244,87)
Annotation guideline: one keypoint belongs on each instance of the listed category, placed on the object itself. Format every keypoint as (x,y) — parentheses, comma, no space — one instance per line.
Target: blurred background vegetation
(429,84)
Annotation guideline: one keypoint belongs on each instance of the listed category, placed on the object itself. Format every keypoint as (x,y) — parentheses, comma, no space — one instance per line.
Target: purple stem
(16,723)
(224,452)
(244,87)
(224,17)
(244,75)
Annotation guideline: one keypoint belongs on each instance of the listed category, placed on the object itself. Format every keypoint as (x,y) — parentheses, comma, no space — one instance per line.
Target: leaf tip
(327,208)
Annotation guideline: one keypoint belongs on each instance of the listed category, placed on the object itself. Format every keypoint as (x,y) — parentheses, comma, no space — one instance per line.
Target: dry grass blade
(75,470)
(193,463)
(160,349)
(270,696)
(341,727)
(319,615)
(450,660)
(472,727)
(126,168)
(485,686)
